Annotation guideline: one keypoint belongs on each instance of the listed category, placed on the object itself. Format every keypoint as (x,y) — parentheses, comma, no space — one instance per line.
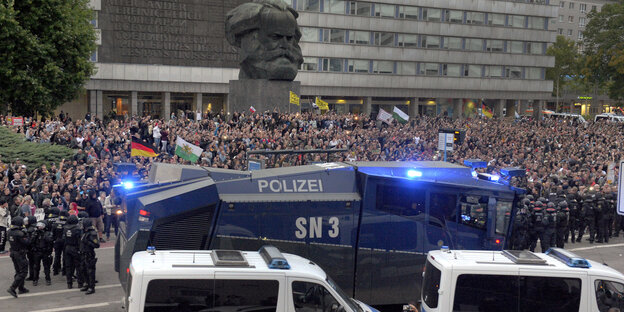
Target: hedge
(33,155)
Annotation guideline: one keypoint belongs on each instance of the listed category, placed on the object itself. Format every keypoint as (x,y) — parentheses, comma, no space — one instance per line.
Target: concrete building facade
(436,57)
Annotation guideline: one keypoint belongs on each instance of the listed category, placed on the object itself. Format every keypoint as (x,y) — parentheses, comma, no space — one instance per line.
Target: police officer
(19,241)
(521,228)
(573,219)
(43,243)
(612,213)
(59,241)
(88,243)
(31,228)
(71,236)
(602,217)
(550,227)
(536,231)
(588,217)
(563,216)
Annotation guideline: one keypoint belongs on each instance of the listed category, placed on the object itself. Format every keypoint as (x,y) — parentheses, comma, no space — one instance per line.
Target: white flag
(384,116)
(399,115)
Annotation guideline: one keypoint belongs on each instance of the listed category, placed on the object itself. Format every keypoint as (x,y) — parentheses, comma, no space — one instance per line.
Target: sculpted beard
(256,59)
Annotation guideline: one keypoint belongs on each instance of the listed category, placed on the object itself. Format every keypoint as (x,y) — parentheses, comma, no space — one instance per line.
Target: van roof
(189,263)
(493,261)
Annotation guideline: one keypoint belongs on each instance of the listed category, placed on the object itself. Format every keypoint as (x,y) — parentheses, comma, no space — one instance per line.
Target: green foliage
(604,40)
(566,63)
(45,47)
(33,155)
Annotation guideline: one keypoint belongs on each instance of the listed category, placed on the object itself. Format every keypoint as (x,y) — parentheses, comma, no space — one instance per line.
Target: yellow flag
(322,105)
(294,99)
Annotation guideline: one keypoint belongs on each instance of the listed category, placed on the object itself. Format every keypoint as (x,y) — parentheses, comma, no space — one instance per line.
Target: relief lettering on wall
(168,32)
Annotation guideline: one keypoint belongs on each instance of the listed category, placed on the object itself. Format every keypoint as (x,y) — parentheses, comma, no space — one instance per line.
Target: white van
(506,281)
(609,117)
(231,280)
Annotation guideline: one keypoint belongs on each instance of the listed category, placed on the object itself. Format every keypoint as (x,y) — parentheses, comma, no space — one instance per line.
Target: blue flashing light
(570,259)
(513,172)
(151,250)
(128,185)
(475,163)
(274,258)
(494,178)
(474,174)
(414,173)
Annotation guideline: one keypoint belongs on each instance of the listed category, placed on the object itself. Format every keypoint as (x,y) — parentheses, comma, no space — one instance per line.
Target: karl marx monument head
(267,37)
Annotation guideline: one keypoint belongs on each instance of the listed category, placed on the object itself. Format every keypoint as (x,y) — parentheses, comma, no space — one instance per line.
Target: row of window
(388,39)
(582,20)
(370,9)
(570,32)
(582,6)
(423,69)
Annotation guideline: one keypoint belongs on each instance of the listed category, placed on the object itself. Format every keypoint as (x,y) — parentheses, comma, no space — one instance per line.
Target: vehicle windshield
(350,302)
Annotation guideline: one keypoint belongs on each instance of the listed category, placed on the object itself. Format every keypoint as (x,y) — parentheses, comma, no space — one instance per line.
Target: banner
(322,105)
(18,121)
(399,115)
(384,116)
(486,110)
(141,148)
(187,151)
(294,98)
(252,109)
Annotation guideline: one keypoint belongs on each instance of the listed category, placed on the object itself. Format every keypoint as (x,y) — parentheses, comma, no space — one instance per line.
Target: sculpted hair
(246,18)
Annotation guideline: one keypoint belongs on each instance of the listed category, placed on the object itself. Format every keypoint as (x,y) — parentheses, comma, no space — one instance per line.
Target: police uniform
(588,217)
(71,236)
(602,218)
(31,228)
(59,242)
(537,224)
(563,215)
(573,220)
(521,229)
(88,243)
(42,243)
(550,227)
(20,242)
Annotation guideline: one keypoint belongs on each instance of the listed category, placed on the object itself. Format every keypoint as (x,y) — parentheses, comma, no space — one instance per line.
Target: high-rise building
(439,57)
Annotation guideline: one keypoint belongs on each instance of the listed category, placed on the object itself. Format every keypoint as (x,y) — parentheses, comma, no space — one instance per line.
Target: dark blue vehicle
(369,225)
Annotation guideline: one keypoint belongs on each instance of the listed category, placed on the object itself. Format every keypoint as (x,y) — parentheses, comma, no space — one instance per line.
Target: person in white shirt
(110,217)
(156,134)
(4,224)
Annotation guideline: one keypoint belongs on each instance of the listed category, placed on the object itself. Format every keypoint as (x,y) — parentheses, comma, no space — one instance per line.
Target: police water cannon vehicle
(368,224)
(231,280)
(513,280)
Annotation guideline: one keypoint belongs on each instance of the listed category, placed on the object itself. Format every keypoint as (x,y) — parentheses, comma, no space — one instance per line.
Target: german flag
(140,148)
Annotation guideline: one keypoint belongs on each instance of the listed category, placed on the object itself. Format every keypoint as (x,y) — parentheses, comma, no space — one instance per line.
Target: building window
(310,64)
(473,44)
(493,71)
(333,64)
(581,22)
(408,41)
(431,42)
(359,37)
(310,5)
(580,35)
(513,72)
(516,21)
(408,12)
(360,8)
(475,18)
(94,57)
(358,66)
(495,45)
(430,69)
(334,35)
(536,22)
(334,6)
(383,67)
(535,48)
(454,16)
(496,19)
(594,8)
(533,73)
(515,47)
(452,43)
(571,5)
(569,32)
(562,4)
(94,21)
(583,7)
(560,31)
(570,19)
(310,34)
(406,68)
(384,39)
(560,18)
(384,10)
(432,15)
(472,70)
(451,70)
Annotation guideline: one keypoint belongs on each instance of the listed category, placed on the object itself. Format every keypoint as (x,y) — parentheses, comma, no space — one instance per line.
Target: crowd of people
(578,160)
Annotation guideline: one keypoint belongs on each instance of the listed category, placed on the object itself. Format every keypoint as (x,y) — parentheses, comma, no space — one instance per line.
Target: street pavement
(108,291)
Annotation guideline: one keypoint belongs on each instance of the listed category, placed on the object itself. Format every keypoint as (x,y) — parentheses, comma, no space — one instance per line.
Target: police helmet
(32,220)
(563,204)
(530,197)
(551,205)
(87,223)
(55,211)
(72,220)
(526,202)
(542,199)
(18,221)
(41,225)
(64,213)
(589,198)
(539,204)
(83,214)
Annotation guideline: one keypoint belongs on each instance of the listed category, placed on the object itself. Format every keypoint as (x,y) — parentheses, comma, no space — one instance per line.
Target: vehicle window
(201,294)
(312,297)
(402,201)
(552,294)
(431,285)
(609,295)
(443,207)
(503,215)
(475,292)
(474,210)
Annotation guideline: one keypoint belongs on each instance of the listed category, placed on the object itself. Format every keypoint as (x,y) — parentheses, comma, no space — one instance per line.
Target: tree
(566,64)
(604,49)
(45,47)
